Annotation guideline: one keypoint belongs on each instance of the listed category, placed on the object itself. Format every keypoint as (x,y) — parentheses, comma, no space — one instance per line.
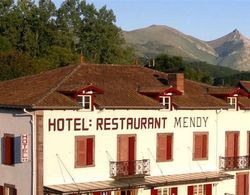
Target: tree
(94,32)
(14,64)
(40,33)
(169,64)
(5,45)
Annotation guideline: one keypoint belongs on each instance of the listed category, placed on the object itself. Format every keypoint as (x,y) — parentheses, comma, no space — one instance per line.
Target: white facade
(59,145)
(20,173)
(195,144)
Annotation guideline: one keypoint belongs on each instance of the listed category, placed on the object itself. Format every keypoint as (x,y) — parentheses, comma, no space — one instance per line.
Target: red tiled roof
(220,90)
(120,84)
(244,102)
(226,91)
(245,85)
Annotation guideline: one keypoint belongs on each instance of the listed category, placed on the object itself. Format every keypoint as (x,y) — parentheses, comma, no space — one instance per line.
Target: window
(202,189)
(85,101)
(102,193)
(8,148)
(84,151)
(242,183)
(248,143)
(200,147)
(164,147)
(9,190)
(127,192)
(167,191)
(232,101)
(165,101)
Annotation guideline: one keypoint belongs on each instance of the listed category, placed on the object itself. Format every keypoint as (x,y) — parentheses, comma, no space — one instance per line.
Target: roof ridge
(36,74)
(50,91)
(124,65)
(200,83)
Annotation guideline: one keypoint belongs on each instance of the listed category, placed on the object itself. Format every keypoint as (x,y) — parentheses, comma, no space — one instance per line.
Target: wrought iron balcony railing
(123,169)
(234,163)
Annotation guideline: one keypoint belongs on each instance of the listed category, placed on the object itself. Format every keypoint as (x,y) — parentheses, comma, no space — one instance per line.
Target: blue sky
(204,19)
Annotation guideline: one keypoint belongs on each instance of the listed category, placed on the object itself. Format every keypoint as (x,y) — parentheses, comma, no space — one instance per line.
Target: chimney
(177,81)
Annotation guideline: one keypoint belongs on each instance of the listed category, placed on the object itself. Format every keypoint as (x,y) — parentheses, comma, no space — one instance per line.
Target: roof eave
(131,107)
(15,106)
(200,108)
(56,107)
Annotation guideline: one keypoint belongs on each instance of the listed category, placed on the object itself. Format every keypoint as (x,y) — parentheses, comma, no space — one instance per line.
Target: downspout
(217,142)
(33,153)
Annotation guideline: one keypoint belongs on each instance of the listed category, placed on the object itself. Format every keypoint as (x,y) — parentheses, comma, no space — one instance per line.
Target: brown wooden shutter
(90,151)
(248,143)
(190,190)
(208,188)
(240,184)
(14,191)
(169,147)
(131,155)
(8,142)
(131,142)
(198,146)
(154,192)
(1,190)
(80,151)
(174,191)
(232,140)
(204,145)
(236,144)
(246,183)
(122,148)
(161,147)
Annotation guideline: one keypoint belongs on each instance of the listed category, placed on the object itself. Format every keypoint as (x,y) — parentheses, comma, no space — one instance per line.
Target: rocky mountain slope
(232,50)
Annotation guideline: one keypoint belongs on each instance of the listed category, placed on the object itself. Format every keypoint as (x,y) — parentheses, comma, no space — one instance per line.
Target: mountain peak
(235,35)
(236,31)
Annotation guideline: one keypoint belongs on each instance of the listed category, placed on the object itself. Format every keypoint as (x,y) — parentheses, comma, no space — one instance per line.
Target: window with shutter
(126,147)
(1,190)
(84,151)
(190,190)
(8,148)
(164,147)
(200,146)
(200,189)
(9,189)
(167,191)
(242,183)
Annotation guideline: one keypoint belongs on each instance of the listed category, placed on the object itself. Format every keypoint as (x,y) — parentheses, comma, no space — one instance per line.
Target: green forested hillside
(200,71)
(38,36)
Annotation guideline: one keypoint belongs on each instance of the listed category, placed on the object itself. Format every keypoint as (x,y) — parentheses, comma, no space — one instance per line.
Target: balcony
(126,169)
(234,163)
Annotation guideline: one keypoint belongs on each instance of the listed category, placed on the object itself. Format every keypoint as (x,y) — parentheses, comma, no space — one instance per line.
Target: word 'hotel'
(122,130)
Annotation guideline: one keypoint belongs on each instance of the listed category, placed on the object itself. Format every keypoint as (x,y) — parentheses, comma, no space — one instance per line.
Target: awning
(131,183)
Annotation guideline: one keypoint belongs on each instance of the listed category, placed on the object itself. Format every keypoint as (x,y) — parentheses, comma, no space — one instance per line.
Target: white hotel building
(122,130)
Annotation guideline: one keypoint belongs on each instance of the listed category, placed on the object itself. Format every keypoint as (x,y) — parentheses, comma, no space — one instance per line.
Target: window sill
(84,166)
(200,159)
(162,161)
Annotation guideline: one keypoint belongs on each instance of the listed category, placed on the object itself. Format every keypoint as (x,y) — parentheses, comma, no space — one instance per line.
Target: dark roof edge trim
(131,107)
(150,185)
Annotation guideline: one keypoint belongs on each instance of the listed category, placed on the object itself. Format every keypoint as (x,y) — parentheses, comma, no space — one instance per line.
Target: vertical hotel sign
(24,148)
